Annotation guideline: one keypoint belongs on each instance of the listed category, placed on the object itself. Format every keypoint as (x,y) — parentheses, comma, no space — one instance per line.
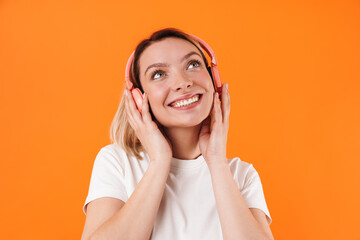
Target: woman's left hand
(214,129)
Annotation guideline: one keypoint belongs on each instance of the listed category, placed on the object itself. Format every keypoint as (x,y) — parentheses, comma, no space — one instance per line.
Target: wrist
(217,164)
(160,164)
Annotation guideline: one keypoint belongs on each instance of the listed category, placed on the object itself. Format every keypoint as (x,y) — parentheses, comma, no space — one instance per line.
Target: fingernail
(227,87)
(144,95)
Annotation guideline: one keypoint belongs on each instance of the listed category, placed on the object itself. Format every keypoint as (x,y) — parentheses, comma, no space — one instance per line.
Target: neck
(184,141)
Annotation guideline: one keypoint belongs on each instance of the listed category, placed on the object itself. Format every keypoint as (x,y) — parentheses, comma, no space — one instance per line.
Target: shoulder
(113,149)
(240,167)
(117,151)
(113,154)
(242,171)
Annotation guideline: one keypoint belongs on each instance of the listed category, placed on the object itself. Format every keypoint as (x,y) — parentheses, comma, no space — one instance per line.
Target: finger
(145,109)
(225,103)
(217,109)
(129,116)
(205,127)
(132,107)
(160,127)
(212,113)
(132,111)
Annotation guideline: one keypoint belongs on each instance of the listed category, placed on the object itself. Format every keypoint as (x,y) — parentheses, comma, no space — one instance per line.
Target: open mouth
(186,102)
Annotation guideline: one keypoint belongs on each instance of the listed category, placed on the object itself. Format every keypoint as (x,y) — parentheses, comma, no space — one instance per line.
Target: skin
(201,130)
(182,134)
(163,85)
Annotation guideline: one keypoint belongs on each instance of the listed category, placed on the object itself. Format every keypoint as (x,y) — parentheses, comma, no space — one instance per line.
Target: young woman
(166,175)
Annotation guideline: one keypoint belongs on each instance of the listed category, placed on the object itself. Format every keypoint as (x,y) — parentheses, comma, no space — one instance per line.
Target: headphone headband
(202,43)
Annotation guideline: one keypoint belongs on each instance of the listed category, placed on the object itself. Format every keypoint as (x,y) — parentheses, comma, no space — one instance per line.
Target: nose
(182,83)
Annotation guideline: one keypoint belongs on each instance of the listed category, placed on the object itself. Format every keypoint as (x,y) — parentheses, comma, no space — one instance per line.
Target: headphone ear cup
(138,98)
(216,80)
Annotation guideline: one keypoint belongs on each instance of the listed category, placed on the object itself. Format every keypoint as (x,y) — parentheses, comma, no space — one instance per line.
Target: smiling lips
(185,102)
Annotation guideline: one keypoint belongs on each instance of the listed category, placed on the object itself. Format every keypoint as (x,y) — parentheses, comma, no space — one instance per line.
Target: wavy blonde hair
(121,133)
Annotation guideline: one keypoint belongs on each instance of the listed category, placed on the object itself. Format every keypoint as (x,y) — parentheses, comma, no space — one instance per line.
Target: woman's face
(174,76)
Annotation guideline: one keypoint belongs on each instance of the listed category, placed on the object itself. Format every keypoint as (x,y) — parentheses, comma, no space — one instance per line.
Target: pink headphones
(137,94)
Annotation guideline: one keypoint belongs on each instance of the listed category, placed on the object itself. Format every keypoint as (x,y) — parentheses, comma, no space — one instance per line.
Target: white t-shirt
(188,208)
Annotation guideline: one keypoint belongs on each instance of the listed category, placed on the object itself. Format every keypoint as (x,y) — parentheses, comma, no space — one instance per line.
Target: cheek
(157,97)
(205,80)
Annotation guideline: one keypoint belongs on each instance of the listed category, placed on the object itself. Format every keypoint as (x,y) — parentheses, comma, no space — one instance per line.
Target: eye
(157,74)
(194,64)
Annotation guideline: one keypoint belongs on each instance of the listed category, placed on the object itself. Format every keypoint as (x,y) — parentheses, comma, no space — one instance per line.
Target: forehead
(165,51)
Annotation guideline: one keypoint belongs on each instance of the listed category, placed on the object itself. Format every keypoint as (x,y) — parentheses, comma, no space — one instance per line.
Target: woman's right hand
(148,132)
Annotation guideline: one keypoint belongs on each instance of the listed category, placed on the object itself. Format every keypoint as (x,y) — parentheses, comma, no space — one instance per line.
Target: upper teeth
(186,102)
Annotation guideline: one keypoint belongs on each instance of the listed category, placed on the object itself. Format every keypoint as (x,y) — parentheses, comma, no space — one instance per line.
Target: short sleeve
(253,193)
(107,177)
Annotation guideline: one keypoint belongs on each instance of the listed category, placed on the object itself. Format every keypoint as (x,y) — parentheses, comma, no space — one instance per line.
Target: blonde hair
(121,133)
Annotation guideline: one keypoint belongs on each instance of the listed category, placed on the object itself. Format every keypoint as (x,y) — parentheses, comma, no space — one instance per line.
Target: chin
(185,122)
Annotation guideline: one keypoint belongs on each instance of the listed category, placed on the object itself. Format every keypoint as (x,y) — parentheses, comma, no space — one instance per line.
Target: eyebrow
(167,65)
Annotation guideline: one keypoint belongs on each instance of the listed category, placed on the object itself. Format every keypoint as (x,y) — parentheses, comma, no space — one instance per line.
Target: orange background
(293,74)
